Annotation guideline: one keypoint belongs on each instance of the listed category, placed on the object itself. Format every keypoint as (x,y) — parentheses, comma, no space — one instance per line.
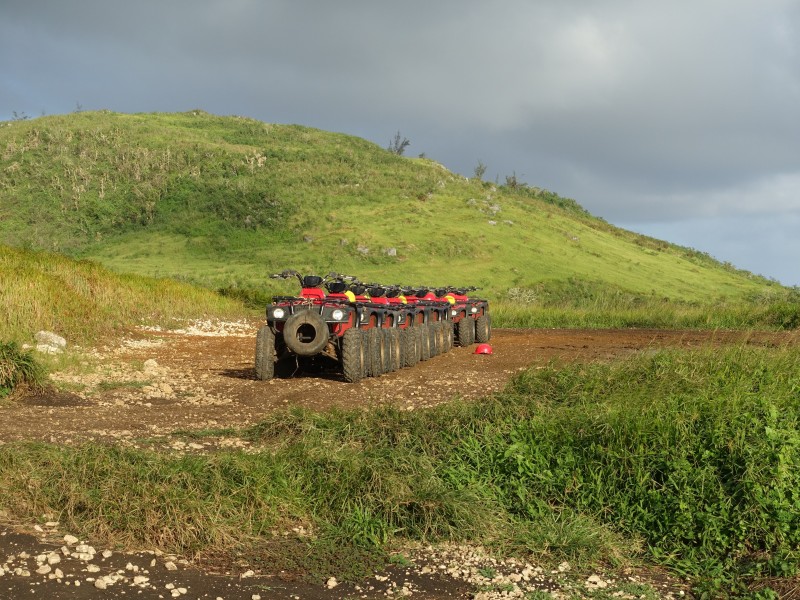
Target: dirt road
(155,382)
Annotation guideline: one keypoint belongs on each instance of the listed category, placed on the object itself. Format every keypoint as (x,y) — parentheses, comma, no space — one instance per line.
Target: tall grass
(82,300)
(596,304)
(17,367)
(694,457)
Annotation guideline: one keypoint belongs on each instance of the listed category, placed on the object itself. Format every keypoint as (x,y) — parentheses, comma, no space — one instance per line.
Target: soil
(153,383)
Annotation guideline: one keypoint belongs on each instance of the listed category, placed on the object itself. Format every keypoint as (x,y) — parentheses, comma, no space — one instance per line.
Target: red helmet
(483,349)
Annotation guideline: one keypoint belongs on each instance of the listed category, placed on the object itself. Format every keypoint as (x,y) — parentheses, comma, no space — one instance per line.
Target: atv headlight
(338,314)
(473,310)
(278,313)
(453,313)
(363,317)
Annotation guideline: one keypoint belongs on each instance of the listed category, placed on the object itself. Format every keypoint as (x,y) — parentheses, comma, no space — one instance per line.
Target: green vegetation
(224,201)
(18,367)
(692,457)
(83,300)
(585,304)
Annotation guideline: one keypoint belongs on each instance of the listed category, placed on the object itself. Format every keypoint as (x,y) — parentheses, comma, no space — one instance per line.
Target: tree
(398,144)
(480,169)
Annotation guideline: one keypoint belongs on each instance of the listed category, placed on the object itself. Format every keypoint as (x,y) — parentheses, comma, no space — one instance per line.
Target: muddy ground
(153,383)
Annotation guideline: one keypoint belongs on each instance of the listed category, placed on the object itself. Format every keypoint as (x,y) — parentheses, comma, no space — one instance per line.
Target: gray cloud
(643,111)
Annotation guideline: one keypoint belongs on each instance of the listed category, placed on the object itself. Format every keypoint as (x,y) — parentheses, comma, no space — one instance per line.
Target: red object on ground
(483,349)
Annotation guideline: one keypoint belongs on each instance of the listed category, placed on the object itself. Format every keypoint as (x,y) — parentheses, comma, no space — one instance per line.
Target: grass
(583,304)
(224,201)
(18,367)
(689,460)
(81,300)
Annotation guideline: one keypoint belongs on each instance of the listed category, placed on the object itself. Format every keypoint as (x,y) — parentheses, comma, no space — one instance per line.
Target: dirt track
(153,383)
(156,382)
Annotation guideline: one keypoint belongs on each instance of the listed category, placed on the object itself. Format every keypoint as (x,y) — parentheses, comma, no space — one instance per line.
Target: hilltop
(224,201)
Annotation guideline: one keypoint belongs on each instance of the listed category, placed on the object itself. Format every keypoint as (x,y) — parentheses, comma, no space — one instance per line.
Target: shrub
(18,366)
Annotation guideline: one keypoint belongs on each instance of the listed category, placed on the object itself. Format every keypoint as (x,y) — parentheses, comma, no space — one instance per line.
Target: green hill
(224,201)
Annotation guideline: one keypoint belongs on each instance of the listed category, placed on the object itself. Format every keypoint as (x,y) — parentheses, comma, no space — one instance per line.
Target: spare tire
(305,333)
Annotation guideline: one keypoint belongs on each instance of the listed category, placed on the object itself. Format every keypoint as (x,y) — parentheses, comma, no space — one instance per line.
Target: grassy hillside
(82,300)
(224,201)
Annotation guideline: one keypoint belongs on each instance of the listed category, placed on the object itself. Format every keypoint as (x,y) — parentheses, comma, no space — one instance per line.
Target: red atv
(314,324)
(470,315)
(433,315)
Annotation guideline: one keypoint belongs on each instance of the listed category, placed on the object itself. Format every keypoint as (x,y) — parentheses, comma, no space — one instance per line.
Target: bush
(18,366)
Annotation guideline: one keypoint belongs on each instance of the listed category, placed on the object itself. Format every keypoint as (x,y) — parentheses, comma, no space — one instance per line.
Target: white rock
(53,559)
(331,583)
(50,339)
(170,566)
(100,584)
(247,574)
(140,580)
(107,553)
(70,540)
(595,581)
(85,556)
(44,569)
(45,349)
(92,569)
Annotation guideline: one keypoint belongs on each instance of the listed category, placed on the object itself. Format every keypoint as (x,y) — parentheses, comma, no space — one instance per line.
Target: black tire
(436,342)
(387,350)
(483,329)
(410,357)
(375,345)
(466,331)
(396,349)
(440,337)
(305,333)
(402,335)
(448,336)
(353,356)
(265,353)
(424,342)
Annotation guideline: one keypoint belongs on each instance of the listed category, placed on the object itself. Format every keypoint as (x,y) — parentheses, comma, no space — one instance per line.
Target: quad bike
(368,329)
(470,315)
(313,324)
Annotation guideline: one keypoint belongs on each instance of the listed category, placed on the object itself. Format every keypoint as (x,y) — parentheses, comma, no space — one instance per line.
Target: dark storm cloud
(643,111)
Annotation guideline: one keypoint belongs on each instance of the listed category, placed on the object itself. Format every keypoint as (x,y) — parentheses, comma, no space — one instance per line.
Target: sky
(678,119)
